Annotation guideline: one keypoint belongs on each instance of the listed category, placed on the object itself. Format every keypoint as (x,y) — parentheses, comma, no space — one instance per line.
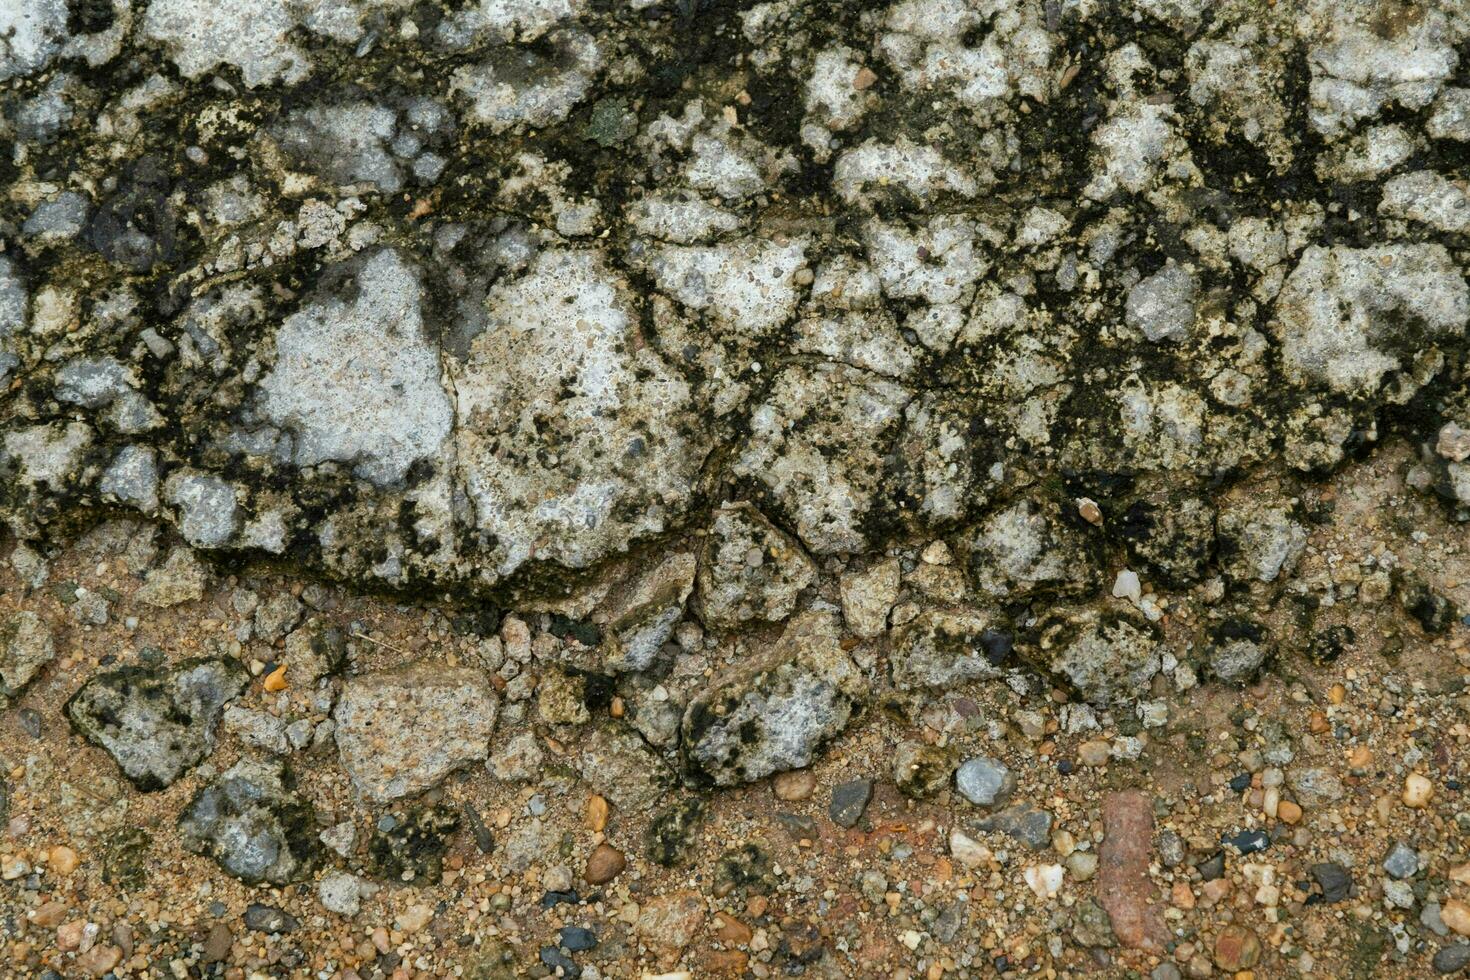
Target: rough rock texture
(696,392)
(750,570)
(26,646)
(772,714)
(400,732)
(251,823)
(1124,887)
(156,724)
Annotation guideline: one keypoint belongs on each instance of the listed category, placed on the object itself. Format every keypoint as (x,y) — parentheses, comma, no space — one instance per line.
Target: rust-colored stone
(1124,887)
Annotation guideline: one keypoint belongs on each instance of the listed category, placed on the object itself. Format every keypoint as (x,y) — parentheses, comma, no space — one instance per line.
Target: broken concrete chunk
(156,724)
(771,715)
(943,647)
(400,732)
(181,578)
(1108,655)
(639,614)
(25,647)
(619,766)
(750,570)
(868,595)
(1259,539)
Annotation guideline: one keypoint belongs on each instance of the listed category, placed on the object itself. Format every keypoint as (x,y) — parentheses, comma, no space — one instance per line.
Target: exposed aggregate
(702,488)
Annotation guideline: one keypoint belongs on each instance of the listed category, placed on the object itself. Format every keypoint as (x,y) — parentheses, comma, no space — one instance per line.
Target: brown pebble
(1418,791)
(729,929)
(276,679)
(1456,914)
(597,811)
(69,934)
(1288,812)
(63,860)
(1127,892)
(796,785)
(99,960)
(217,944)
(604,864)
(49,915)
(1236,948)
(864,79)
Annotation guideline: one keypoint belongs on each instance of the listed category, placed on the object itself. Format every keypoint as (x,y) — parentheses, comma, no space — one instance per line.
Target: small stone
(1045,880)
(518,760)
(343,893)
(849,800)
(1398,894)
(413,918)
(1456,914)
(558,963)
(265,918)
(99,960)
(1089,511)
(339,837)
(577,939)
(604,864)
(275,680)
(1334,880)
(920,770)
(1026,823)
(400,732)
(868,595)
(1094,752)
(1127,586)
(181,578)
(1082,865)
(1248,841)
(63,860)
(1288,812)
(985,782)
(968,851)
(25,647)
(1453,443)
(597,813)
(217,943)
(1124,886)
(1452,958)
(1402,861)
(1418,791)
(1236,948)
(793,786)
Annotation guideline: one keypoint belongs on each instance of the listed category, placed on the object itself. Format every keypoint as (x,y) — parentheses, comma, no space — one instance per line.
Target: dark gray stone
(1024,822)
(1452,959)
(264,918)
(1334,880)
(849,800)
